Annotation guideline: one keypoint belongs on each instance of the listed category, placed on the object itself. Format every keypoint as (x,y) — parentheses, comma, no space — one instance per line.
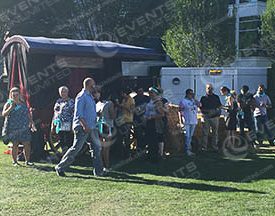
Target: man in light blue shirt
(84,124)
(85,102)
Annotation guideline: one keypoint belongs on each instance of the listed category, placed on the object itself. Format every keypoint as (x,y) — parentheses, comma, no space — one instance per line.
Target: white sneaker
(98,175)
(190,154)
(106,169)
(15,163)
(27,163)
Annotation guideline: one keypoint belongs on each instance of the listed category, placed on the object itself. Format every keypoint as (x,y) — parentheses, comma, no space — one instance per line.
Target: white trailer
(174,81)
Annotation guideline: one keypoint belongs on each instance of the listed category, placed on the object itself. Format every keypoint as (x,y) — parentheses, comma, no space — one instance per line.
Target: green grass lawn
(206,185)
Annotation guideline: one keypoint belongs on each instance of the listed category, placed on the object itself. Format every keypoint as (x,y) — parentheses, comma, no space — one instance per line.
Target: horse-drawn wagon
(40,65)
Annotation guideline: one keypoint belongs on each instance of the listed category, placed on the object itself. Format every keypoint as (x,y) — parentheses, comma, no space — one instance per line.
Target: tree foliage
(201,34)
(268,28)
(104,19)
(82,19)
(33,18)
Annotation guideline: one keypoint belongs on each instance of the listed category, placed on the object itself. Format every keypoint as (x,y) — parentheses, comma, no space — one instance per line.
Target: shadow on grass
(125,178)
(266,151)
(210,167)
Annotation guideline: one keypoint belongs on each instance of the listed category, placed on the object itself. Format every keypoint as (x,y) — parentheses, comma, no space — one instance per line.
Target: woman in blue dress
(19,125)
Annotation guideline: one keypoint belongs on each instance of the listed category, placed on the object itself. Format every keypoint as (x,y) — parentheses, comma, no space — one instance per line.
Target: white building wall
(141,68)
(252,77)
(248,9)
(197,78)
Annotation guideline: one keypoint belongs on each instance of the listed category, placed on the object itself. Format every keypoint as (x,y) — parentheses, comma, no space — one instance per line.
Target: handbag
(5,137)
(66,126)
(62,126)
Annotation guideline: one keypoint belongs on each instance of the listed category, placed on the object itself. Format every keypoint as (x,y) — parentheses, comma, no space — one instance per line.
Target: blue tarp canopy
(68,47)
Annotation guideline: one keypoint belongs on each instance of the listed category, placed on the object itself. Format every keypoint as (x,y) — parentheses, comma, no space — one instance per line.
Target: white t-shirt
(189,111)
(261,102)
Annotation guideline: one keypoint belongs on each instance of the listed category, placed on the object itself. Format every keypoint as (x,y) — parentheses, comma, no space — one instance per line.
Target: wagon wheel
(54,143)
(133,139)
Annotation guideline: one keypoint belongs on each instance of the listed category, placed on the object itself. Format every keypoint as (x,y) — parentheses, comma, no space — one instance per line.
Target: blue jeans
(190,129)
(261,125)
(80,138)
(97,147)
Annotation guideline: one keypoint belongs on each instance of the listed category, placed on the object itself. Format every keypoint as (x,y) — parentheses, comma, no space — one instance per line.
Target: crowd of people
(95,120)
(245,110)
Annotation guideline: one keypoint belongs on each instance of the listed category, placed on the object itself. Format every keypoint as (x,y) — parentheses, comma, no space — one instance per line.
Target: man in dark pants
(246,104)
(210,108)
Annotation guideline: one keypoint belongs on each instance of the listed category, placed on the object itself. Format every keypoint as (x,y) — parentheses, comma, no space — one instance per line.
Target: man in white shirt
(188,110)
(263,103)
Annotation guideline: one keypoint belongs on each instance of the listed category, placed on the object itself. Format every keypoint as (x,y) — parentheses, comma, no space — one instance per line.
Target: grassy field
(206,185)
